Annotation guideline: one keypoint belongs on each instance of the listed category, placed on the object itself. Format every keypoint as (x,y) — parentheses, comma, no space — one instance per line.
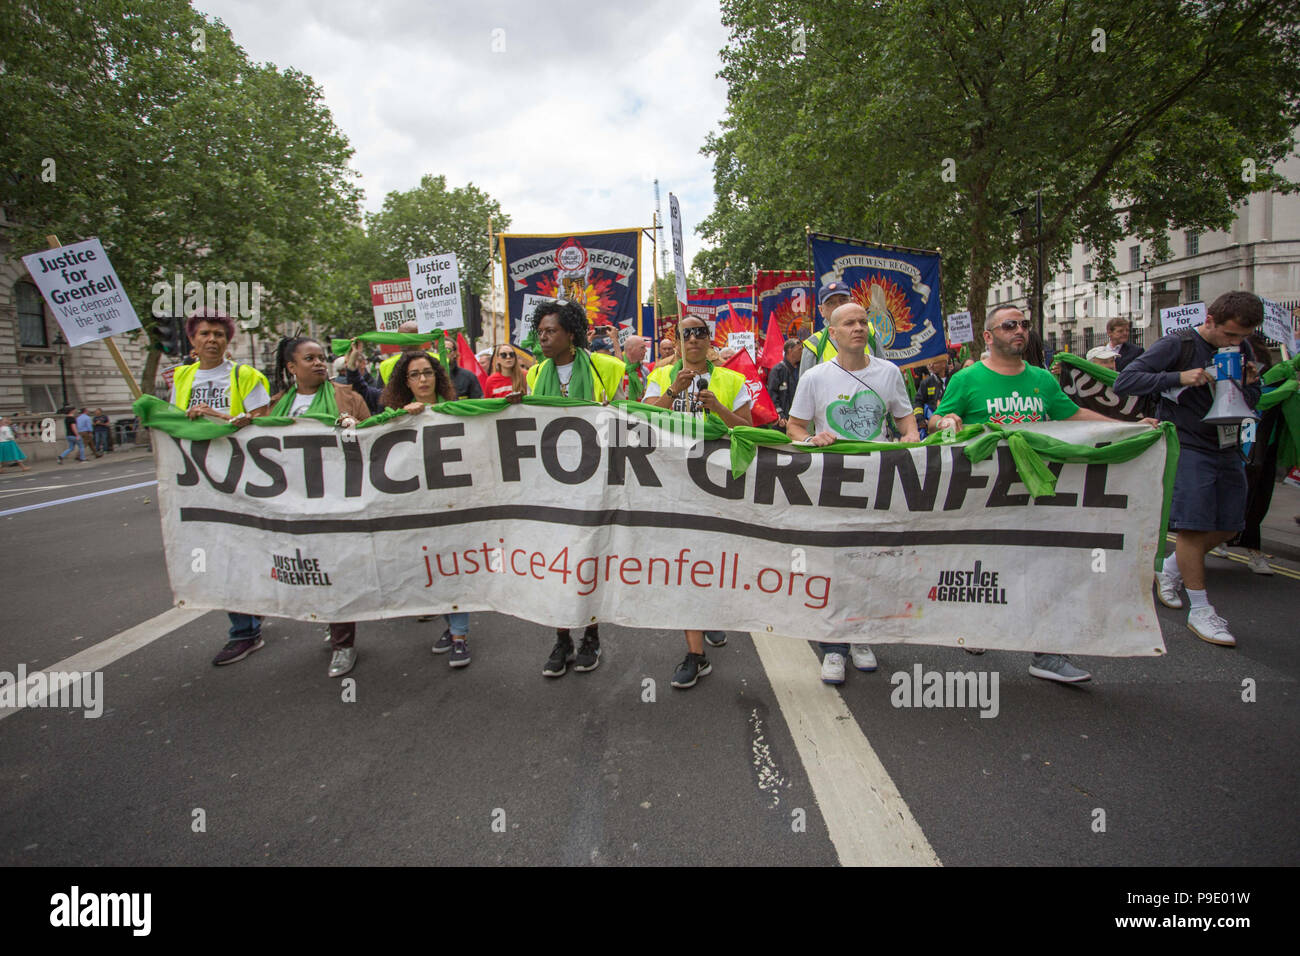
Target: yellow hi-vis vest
(724,382)
(609,376)
(243,379)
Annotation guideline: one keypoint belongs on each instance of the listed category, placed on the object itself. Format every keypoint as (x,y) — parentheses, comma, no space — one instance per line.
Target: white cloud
(567,127)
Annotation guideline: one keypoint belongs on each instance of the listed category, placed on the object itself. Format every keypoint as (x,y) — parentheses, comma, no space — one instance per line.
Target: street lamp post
(1145,266)
(1038,257)
(60,342)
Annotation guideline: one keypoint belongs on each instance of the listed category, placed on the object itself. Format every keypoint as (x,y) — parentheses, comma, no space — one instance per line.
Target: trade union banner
(727,309)
(563,515)
(790,297)
(898,288)
(599,270)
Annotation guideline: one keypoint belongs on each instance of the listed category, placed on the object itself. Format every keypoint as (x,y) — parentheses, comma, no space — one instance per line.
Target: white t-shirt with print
(689,400)
(302,402)
(851,405)
(212,388)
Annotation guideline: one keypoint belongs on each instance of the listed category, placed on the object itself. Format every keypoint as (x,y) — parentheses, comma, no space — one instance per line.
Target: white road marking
(869,823)
(64,501)
(71,484)
(99,656)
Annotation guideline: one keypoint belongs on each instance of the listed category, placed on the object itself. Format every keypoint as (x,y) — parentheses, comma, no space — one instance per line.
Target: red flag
(761,406)
(773,346)
(467,360)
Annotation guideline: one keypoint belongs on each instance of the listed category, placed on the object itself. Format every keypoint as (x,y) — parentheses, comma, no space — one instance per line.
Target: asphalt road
(496,764)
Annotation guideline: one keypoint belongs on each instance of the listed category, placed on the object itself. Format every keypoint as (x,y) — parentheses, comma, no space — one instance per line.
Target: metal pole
(1038,268)
(63,382)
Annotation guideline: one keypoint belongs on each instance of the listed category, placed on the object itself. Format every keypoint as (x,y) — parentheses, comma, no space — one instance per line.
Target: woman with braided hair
(302,377)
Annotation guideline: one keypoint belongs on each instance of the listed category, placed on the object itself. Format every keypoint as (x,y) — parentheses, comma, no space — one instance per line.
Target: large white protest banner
(524,327)
(568,515)
(679,255)
(435,284)
(83,291)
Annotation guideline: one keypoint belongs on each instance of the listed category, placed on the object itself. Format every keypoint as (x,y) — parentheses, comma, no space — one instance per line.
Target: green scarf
(547,383)
(323,404)
(635,387)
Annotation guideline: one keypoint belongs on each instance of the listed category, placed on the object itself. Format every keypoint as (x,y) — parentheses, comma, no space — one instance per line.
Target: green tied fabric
(547,383)
(343,346)
(533,345)
(1102,374)
(635,387)
(1281,371)
(746,439)
(1287,433)
(324,406)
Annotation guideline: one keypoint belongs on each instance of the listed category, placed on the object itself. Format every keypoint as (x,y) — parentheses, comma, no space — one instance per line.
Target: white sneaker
(864,658)
(1167,587)
(833,668)
(1219,551)
(1208,626)
(1259,564)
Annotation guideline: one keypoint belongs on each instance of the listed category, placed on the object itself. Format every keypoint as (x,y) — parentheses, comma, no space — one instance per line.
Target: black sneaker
(236,651)
(443,644)
(690,670)
(715,638)
(588,654)
(459,653)
(561,655)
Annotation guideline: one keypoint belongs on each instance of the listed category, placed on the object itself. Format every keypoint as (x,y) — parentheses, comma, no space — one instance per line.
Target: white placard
(743,340)
(679,253)
(524,327)
(435,283)
(1182,317)
(1277,323)
(960,329)
(83,291)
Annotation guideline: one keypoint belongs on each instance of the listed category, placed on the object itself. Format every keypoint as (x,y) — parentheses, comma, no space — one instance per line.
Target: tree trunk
(150,372)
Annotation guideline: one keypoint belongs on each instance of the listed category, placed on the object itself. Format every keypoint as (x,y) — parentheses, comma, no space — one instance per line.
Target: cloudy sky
(565,112)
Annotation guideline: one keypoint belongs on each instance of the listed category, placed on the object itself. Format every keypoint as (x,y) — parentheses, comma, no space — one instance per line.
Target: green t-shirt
(978,395)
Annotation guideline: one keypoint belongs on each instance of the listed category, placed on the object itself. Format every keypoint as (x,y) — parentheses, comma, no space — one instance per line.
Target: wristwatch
(669,392)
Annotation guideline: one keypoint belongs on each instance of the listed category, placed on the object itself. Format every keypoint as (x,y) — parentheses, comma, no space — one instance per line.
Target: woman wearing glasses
(302,375)
(694,385)
(507,375)
(416,381)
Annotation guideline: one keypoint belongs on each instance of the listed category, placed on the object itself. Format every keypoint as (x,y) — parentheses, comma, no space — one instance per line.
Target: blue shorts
(1209,491)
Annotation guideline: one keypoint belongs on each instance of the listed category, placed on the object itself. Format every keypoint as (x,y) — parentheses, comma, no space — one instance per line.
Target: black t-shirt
(466,383)
(70,425)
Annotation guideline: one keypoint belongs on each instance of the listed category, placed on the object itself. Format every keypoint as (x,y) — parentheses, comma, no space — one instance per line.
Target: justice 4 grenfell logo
(969,587)
(1016,409)
(295,569)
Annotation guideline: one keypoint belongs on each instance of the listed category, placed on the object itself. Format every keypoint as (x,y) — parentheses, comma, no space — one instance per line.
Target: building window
(1087,273)
(1134,257)
(997,296)
(1051,341)
(1135,336)
(1193,243)
(31,316)
(1067,338)
(1194,289)
(1087,339)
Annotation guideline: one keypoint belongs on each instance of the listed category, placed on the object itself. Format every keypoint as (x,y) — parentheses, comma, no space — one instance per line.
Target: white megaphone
(1230,406)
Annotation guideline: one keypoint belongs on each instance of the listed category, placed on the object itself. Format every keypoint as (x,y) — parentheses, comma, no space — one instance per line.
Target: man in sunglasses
(1004,389)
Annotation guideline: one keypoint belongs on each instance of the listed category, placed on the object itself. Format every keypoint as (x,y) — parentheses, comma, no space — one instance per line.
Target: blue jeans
(834,648)
(244,626)
(458,623)
(75,444)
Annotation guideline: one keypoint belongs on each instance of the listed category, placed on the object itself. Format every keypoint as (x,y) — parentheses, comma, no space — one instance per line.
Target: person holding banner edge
(218,388)
(695,386)
(980,394)
(1210,489)
(851,396)
(568,370)
(302,373)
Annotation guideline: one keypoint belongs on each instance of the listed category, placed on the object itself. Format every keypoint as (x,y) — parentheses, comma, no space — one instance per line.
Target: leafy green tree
(146,125)
(927,122)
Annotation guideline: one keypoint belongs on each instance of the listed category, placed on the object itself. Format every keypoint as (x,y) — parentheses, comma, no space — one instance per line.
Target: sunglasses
(1011,325)
(505,355)
(695,332)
